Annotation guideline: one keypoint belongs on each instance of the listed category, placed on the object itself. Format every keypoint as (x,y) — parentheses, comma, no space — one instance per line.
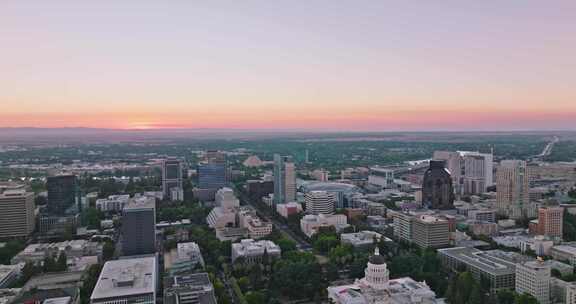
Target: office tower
(534,278)
(320,202)
(139,227)
(471,171)
(430,231)
(284,179)
(63,194)
(550,221)
(513,187)
(172,179)
(477,172)
(453,163)
(212,175)
(131,280)
(16,213)
(437,191)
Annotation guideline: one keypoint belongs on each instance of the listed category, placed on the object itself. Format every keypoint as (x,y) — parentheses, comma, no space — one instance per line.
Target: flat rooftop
(493,261)
(132,276)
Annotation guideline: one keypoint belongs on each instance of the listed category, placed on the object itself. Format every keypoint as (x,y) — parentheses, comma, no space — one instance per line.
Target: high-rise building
(16,213)
(212,175)
(284,180)
(139,227)
(477,172)
(550,221)
(172,179)
(63,194)
(471,171)
(452,162)
(320,202)
(533,278)
(513,188)
(437,190)
(431,232)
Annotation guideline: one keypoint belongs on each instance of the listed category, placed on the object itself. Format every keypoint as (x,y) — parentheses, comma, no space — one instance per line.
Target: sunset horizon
(457,66)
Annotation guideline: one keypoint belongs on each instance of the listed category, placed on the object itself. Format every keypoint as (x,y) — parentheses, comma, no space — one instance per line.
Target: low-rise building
(112,203)
(486,215)
(253,251)
(288,209)
(482,227)
(256,228)
(9,274)
(497,267)
(183,259)
(363,239)
(131,280)
(189,289)
(310,224)
(565,253)
(35,253)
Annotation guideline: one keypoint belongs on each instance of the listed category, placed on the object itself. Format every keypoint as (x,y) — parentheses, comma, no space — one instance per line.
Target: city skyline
(309,66)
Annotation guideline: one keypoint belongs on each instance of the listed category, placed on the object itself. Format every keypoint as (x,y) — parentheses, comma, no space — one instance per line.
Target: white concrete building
(35,253)
(112,203)
(534,278)
(252,251)
(256,227)
(320,202)
(376,287)
(310,224)
(183,259)
(361,239)
(232,221)
(131,280)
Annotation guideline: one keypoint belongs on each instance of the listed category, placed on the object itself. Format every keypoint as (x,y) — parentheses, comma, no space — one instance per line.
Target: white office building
(131,280)
(320,202)
(310,224)
(252,251)
(534,278)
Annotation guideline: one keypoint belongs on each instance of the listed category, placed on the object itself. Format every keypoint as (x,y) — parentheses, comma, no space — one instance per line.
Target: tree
(505,296)
(10,249)
(255,276)
(62,262)
(324,243)
(255,297)
(286,245)
(108,250)
(243,283)
(476,296)
(91,217)
(89,283)
(332,272)
(525,299)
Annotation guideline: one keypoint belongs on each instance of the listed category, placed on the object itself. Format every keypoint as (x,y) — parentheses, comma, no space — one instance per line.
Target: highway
(548,149)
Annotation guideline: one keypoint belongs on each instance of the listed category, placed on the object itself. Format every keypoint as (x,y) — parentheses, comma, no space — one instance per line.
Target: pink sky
(311,65)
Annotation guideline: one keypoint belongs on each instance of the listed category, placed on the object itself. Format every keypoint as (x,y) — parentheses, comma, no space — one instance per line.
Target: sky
(318,65)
